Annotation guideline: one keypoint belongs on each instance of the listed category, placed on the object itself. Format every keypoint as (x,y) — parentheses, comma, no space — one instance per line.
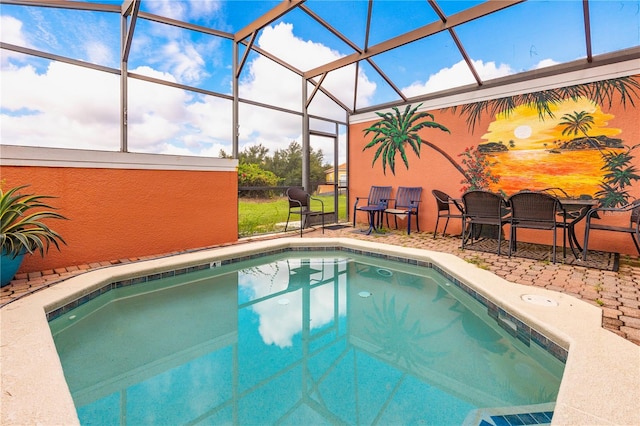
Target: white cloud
(11,32)
(69,106)
(170,8)
(280,318)
(545,63)
(98,53)
(455,76)
(270,83)
(185,9)
(184,61)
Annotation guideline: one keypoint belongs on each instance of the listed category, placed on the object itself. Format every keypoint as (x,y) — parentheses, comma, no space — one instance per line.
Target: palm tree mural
(393,132)
(579,122)
(620,174)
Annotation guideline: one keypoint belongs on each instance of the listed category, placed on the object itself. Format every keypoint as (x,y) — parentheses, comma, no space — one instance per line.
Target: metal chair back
(483,208)
(537,210)
(300,204)
(443,205)
(407,201)
(379,196)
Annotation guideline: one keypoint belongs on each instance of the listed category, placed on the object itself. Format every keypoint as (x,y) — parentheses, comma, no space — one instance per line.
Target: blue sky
(46,103)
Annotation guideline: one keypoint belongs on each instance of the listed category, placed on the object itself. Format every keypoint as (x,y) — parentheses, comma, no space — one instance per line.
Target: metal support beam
(454,20)
(266,19)
(306,143)
(236,110)
(130,9)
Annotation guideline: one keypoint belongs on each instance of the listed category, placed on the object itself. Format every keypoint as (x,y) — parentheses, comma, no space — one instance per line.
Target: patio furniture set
(484,214)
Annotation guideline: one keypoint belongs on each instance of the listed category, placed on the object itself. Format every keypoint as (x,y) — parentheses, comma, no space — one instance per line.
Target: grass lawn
(261,216)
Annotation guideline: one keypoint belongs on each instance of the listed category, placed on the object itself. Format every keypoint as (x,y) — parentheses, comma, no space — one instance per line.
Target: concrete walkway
(616,293)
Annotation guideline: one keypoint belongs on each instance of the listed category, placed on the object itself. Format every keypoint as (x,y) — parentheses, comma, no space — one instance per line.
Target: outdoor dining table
(576,209)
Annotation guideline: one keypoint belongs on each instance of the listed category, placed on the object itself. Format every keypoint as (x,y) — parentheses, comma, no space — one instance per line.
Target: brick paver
(616,293)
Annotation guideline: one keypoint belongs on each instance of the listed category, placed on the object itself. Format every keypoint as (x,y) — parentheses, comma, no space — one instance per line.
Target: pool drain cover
(364,294)
(539,300)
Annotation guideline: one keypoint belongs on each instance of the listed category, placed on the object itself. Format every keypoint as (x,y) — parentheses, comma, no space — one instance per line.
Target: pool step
(511,416)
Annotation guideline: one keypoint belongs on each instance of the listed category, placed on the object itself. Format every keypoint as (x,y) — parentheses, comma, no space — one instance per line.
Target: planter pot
(9,266)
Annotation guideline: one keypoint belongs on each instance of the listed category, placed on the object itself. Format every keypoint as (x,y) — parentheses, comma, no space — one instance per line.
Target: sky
(53,104)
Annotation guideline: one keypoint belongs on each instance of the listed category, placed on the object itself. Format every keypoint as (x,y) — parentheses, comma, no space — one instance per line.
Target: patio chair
(300,204)
(406,205)
(378,197)
(483,208)
(633,229)
(444,202)
(537,210)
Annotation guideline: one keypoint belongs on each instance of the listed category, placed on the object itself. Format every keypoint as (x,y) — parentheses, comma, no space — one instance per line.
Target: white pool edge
(599,386)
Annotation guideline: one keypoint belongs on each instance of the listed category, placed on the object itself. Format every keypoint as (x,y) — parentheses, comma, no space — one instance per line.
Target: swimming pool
(599,384)
(300,338)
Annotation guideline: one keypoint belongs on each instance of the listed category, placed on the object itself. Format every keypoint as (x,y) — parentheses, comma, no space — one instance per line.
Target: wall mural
(553,138)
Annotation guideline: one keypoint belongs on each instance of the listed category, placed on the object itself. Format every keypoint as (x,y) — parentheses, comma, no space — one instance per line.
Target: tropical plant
(578,122)
(398,339)
(478,174)
(393,132)
(252,175)
(21,223)
(619,174)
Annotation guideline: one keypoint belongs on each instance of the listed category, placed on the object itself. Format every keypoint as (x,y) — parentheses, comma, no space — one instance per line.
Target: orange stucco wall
(433,171)
(121,213)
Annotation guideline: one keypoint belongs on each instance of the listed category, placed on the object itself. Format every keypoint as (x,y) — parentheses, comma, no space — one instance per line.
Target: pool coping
(599,385)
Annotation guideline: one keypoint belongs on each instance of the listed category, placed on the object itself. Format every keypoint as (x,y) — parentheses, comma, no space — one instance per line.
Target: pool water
(296,339)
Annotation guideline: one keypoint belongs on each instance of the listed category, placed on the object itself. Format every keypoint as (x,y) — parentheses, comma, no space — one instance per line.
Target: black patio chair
(300,204)
(378,197)
(406,204)
(633,229)
(444,203)
(537,210)
(483,208)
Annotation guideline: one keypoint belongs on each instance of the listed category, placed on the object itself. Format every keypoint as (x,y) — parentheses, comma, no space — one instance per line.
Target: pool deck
(600,384)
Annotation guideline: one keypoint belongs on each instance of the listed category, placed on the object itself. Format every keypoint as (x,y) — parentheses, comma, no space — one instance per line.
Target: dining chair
(483,208)
(300,204)
(444,203)
(378,197)
(537,210)
(407,201)
(633,229)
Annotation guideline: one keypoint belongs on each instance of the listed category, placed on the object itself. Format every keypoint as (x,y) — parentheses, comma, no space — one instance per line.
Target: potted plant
(22,230)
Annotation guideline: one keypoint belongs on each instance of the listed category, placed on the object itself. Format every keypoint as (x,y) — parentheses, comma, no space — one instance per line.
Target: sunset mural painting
(553,138)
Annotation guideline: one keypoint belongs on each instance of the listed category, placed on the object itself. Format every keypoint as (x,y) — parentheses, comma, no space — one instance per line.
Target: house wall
(126,205)
(435,170)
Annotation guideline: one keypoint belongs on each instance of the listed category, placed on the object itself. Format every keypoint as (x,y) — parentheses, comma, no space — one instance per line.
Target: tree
(255,154)
(578,122)
(393,132)
(620,174)
(253,175)
(287,164)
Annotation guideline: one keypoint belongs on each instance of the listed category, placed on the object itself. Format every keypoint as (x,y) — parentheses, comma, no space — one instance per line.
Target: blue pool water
(297,339)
